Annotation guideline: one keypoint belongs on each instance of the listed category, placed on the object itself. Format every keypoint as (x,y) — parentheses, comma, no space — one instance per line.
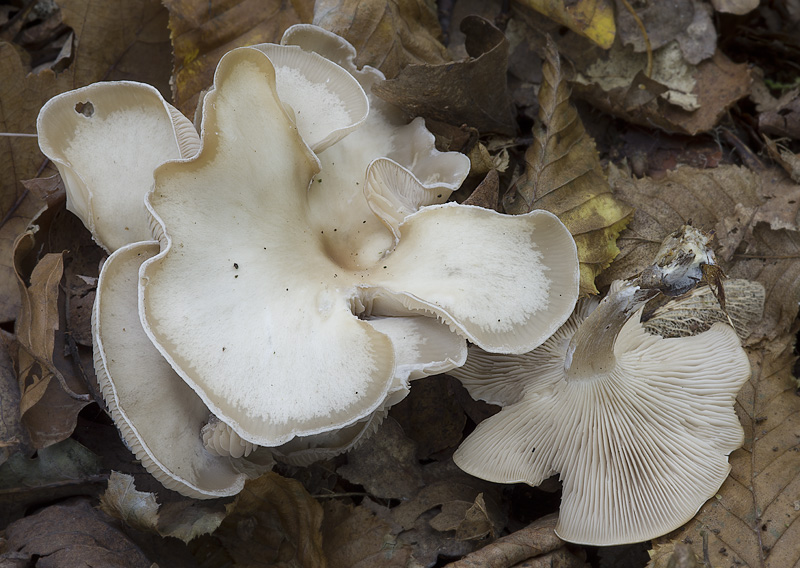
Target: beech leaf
(728,200)
(274,522)
(563,175)
(72,534)
(593,19)
(751,521)
(387,34)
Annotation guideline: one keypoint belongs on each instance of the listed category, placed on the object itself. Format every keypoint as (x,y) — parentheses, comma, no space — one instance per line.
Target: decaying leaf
(700,309)
(673,555)
(66,461)
(387,34)
(737,7)
(593,19)
(12,434)
(788,160)
(184,520)
(679,97)
(687,22)
(202,32)
(727,200)
(431,417)
(273,522)
(51,393)
(385,464)
(358,538)
(563,175)
(72,534)
(56,472)
(471,92)
(753,520)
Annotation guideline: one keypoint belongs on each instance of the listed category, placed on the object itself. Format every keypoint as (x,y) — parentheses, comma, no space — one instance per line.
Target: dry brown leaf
(788,160)
(738,7)
(126,39)
(784,120)
(471,92)
(435,495)
(358,538)
(753,521)
(184,520)
(202,32)
(593,19)
(726,200)
(273,522)
(73,534)
(430,416)
(678,97)
(534,540)
(672,555)
(12,434)
(563,175)
(53,380)
(385,464)
(387,34)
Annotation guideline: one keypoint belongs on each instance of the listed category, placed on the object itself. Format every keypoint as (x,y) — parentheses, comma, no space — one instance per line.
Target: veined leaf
(563,175)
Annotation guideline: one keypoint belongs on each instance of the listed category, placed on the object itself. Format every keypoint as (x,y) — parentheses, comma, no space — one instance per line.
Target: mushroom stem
(591,350)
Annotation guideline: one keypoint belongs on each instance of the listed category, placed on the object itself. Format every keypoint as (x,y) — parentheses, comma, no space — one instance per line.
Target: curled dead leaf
(73,533)
(275,522)
(471,92)
(184,520)
(387,35)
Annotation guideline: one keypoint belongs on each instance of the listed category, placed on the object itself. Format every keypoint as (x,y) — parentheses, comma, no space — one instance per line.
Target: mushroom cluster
(638,426)
(276,280)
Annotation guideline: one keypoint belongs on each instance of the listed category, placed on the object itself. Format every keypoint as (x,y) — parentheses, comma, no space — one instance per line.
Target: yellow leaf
(593,19)
(563,175)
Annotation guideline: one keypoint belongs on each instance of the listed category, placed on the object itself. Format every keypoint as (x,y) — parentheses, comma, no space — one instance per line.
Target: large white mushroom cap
(640,436)
(307,267)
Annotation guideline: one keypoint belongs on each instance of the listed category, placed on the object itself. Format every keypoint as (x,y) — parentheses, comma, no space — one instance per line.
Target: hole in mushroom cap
(86,109)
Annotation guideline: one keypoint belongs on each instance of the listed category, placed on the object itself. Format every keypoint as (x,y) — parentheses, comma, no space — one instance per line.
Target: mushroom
(638,426)
(158,415)
(307,242)
(87,133)
(274,295)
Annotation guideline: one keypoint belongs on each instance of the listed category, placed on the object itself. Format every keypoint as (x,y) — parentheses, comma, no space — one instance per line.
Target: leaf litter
(400,501)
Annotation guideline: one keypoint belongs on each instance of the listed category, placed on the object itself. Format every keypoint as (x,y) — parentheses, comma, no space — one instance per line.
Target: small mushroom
(639,427)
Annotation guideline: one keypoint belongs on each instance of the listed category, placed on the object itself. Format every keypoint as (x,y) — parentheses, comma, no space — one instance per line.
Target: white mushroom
(275,296)
(639,427)
(158,415)
(296,294)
